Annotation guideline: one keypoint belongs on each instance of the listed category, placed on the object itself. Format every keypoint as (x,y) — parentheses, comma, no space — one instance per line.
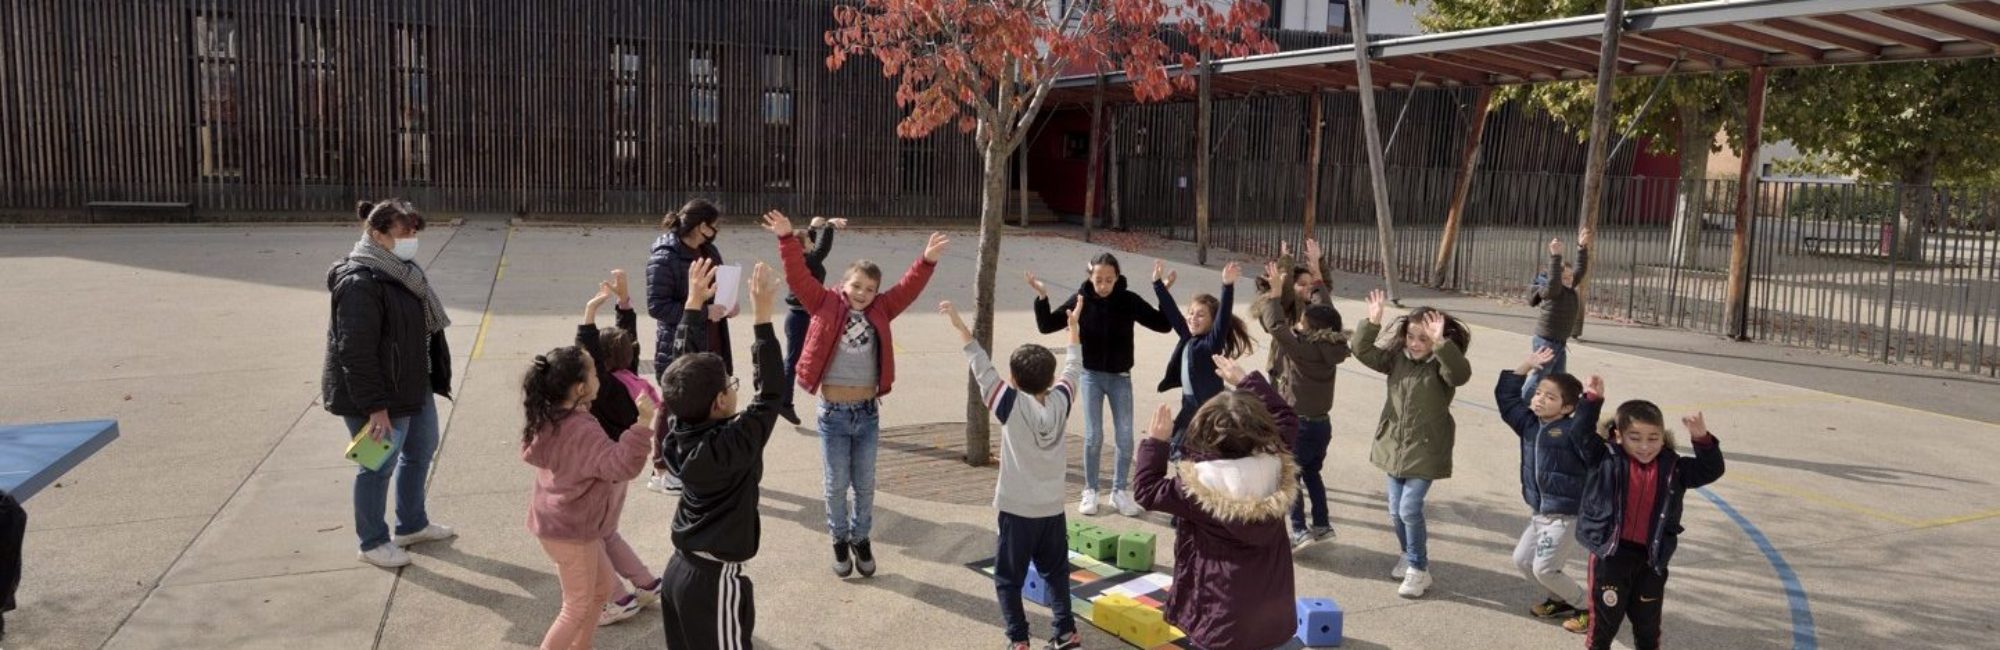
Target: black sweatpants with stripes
(706,605)
(1625,585)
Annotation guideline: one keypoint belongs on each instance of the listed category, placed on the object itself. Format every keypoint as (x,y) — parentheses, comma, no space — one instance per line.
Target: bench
(33,456)
(183,207)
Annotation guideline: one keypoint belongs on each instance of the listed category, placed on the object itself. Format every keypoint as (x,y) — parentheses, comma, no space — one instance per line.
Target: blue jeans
(1406,509)
(796,322)
(849,435)
(1094,389)
(1310,452)
(416,440)
(1558,364)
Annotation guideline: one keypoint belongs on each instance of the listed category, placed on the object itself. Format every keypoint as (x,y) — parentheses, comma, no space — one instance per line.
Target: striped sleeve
(999,397)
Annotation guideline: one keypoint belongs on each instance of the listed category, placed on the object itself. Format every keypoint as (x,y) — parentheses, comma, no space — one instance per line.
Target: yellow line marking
(1949,521)
(485,319)
(1773,486)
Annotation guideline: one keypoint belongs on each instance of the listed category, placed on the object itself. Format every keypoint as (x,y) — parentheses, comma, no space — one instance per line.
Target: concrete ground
(221,518)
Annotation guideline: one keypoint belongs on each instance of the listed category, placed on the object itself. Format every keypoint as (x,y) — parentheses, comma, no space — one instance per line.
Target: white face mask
(406,249)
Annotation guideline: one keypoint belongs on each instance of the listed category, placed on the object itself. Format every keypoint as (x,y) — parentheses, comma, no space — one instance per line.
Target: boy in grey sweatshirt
(1559,305)
(1032,410)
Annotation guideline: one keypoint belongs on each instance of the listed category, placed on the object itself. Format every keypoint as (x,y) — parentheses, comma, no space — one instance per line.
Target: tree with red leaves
(987,65)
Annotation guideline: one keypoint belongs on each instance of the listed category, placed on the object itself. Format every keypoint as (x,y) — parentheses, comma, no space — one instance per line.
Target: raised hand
(1595,387)
(838,222)
(1375,300)
(1312,250)
(1271,275)
(1162,428)
(1076,313)
(604,292)
(1537,359)
(1584,237)
(1696,426)
(646,408)
(957,323)
(1231,273)
(1556,246)
(936,247)
(1434,327)
(1040,288)
(1284,249)
(1227,369)
(1162,275)
(777,223)
(763,292)
(701,283)
(619,287)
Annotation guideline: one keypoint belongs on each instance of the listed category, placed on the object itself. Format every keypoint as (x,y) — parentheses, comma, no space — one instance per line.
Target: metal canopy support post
(1317,122)
(1738,312)
(1096,166)
(1600,136)
(1204,118)
(1378,177)
(1468,166)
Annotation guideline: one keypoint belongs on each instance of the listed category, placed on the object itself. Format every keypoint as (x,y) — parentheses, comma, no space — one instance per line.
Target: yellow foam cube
(1147,628)
(1115,614)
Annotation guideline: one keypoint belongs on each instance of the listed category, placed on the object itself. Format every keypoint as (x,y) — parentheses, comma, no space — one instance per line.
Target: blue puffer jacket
(1552,468)
(666,297)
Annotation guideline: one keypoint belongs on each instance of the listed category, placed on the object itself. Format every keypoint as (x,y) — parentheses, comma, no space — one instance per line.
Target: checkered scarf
(368,254)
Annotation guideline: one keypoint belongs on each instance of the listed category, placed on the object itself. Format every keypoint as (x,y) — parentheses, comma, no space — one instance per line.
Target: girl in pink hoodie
(580,476)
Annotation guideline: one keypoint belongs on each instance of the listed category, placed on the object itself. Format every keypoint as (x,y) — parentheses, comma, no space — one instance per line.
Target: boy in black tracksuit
(1631,520)
(707,602)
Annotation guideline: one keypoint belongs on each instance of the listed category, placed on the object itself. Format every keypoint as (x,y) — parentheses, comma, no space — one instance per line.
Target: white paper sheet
(728,280)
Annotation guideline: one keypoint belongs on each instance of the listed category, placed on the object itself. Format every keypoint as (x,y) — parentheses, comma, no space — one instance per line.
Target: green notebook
(367,451)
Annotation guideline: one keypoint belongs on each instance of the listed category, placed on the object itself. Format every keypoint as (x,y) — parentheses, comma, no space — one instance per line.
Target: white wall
(1385,16)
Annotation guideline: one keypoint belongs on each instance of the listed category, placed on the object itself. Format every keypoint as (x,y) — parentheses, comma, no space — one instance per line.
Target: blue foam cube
(1035,589)
(1319,622)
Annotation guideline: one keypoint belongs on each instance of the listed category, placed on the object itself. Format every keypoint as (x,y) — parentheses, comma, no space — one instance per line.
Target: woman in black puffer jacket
(386,359)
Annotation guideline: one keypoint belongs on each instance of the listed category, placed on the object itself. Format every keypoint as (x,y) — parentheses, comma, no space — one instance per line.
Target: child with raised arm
(1032,410)
(1631,520)
(1207,330)
(1558,305)
(1425,363)
(707,602)
(619,389)
(1107,371)
(1307,348)
(1552,475)
(849,360)
(1233,586)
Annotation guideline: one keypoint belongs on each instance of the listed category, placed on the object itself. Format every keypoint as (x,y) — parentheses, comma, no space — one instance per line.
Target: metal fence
(1888,272)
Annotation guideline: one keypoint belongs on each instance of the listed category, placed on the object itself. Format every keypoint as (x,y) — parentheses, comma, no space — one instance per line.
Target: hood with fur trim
(1252,489)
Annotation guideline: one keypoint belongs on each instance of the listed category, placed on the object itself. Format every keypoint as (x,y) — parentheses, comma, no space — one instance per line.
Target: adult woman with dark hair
(386,359)
(690,236)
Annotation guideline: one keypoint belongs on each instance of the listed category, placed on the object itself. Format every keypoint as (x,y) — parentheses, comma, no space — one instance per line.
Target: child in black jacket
(719,455)
(1631,520)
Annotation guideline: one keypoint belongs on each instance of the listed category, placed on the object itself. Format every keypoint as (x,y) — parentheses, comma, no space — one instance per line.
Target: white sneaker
(1402,566)
(664,483)
(387,556)
(614,612)
(1089,505)
(431,533)
(1414,583)
(1126,506)
(649,597)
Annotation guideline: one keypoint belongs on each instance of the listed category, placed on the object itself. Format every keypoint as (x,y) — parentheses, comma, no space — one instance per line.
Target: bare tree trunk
(992,206)
(1914,218)
(1697,133)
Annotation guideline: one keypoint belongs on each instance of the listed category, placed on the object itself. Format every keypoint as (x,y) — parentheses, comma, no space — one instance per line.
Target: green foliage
(1904,122)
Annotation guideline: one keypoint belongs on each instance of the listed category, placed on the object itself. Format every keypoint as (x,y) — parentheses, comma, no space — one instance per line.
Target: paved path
(221,518)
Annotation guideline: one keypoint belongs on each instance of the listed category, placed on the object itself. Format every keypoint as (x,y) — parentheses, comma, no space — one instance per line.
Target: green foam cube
(1135,551)
(1100,544)
(1076,531)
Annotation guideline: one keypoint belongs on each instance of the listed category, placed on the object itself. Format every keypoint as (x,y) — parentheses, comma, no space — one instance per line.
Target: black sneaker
(842,566)
(1553,608)
(1071,641)
(864,558)
(789,414)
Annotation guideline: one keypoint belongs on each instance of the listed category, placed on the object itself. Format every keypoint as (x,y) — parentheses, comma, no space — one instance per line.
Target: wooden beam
(1772,41)
(1378,173)
(1737,313)
(1204,118)
(1600,135)
(1531,63)
(1989,10)
(1435,68)
(1316,120)
(1939,23)
(1468,167)
(1823,35)
(1095,168)
(1490,65)
(1570,58)
(1593,45)
(1873,28)
(1386,77)
(1717,47)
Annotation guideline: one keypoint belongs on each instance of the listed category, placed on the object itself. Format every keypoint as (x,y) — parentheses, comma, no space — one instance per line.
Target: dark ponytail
(545,391)
(693,214)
